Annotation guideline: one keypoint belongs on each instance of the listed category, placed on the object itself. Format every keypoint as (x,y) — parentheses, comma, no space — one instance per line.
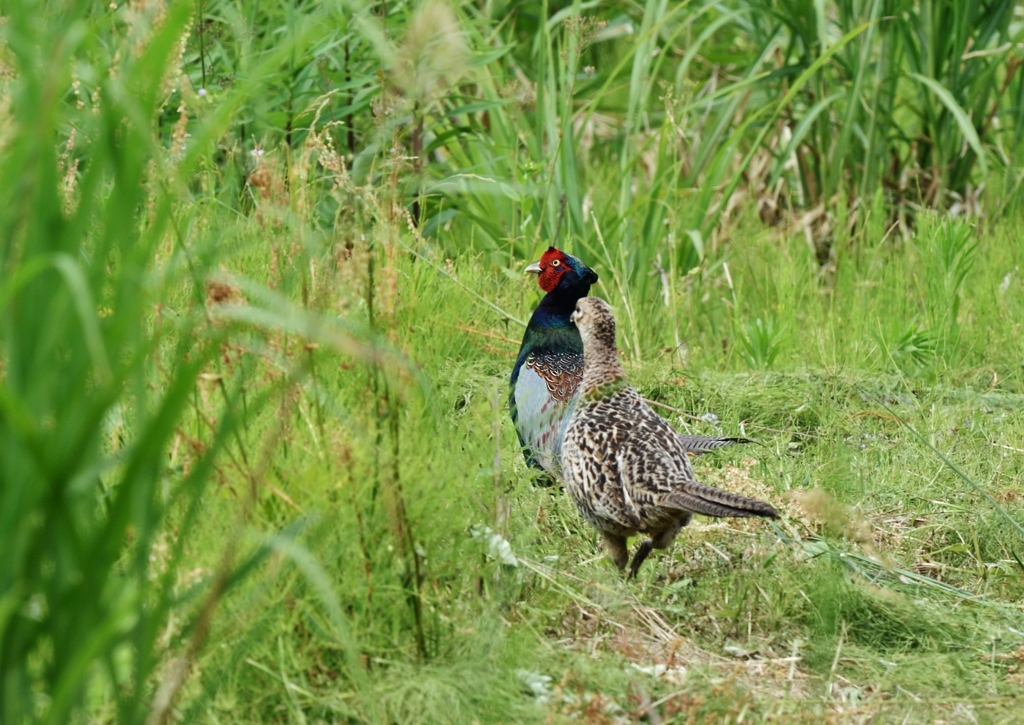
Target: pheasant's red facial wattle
(553,264)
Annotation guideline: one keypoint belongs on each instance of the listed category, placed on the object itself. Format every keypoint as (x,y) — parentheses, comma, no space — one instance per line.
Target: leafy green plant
(761,342)
(906,346)
(949,248)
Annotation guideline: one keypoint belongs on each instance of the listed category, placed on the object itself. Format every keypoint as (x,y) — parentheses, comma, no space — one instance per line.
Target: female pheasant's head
(560,271)
(602,370)
(596,323)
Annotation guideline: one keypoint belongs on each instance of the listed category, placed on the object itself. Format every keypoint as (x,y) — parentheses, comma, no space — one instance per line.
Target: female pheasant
(624,465)
(546,377)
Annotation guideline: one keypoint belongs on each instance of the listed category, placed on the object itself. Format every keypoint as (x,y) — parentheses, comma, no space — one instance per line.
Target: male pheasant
(549,367)
(623,464)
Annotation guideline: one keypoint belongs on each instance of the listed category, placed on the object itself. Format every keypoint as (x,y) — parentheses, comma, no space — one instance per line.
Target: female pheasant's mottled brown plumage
(624,465)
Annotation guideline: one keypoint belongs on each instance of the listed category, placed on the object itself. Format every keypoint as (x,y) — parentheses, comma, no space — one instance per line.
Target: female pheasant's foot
(617,550)
(638,558)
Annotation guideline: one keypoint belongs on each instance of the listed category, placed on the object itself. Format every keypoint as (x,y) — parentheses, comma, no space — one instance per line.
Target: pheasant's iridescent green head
(558,270)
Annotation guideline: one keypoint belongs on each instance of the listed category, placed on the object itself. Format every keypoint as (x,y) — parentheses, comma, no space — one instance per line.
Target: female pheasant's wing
(592,475)
(652,454)
(657,474)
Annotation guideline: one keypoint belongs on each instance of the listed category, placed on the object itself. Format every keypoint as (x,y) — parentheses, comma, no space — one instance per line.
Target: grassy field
(890,590)
(260,300)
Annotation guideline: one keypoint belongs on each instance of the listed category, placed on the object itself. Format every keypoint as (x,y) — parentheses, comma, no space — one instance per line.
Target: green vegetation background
(261,290)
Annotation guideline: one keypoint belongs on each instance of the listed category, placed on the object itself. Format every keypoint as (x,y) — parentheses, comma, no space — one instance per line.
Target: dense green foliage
(260,292)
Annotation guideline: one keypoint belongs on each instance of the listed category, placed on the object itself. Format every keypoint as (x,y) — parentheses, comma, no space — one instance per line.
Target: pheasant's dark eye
(556,262)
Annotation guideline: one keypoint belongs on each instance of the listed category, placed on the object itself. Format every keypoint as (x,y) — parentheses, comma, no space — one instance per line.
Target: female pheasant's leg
(616,546)
(664,539)
(638,558)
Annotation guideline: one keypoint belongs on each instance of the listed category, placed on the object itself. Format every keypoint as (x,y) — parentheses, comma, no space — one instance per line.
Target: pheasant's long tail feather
(706,444)
(701,499)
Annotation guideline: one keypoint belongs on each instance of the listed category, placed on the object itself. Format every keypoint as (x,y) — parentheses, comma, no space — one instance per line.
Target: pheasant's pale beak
(535,268)
(574,316)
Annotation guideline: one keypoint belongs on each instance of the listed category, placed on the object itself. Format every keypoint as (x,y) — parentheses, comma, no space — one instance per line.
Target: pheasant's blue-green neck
(561,301)
(551,318)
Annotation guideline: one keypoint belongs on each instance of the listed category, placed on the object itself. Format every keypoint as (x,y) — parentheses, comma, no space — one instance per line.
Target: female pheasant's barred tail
(692,496)
(702,444)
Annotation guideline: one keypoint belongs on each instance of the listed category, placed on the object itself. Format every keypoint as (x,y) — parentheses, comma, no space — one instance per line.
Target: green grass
(255,459)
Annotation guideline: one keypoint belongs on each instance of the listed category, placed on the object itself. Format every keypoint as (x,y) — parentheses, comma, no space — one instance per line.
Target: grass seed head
(432,54)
